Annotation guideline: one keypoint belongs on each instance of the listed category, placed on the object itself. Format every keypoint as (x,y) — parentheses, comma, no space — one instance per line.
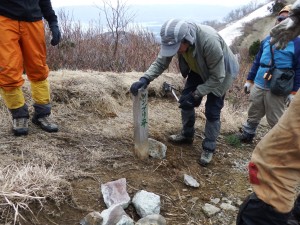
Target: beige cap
(286,8)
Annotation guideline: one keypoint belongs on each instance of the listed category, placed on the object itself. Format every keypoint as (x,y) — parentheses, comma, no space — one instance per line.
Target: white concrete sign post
(140,117)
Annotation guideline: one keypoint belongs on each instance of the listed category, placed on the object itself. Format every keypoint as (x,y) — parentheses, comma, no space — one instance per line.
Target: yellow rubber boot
(40,92)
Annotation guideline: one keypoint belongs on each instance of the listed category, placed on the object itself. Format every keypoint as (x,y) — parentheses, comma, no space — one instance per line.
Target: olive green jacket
(217,64)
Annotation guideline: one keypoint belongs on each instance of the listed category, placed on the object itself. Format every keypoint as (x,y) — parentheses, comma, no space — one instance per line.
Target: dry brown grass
(94,111)
(25,184)
(96,95)
(106,95)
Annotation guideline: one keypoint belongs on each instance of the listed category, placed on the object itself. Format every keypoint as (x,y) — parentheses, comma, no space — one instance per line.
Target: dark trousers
(296,209)
(213,107)
(254,211)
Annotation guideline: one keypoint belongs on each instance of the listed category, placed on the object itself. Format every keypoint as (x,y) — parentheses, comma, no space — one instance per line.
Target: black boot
(181,139)
(245,137)
(42,119)
(45,123)
(20,120)
(20,126)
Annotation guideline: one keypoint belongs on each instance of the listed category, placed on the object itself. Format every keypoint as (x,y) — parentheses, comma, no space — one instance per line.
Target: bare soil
(95,145)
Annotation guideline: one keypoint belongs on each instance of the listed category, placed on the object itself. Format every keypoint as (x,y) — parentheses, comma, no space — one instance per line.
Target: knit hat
(286,8)
(172,33)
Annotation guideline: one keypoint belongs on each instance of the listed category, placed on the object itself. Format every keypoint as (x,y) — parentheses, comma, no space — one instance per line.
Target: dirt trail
(94,146)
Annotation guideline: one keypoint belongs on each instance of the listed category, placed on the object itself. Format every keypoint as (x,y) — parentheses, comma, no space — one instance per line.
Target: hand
(143,82)
(187,101)
(289,99)
(55,33)
(247,87)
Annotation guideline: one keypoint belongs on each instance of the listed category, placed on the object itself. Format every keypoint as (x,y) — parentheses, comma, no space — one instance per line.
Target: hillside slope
(95,146)
(258,29)
(55,178)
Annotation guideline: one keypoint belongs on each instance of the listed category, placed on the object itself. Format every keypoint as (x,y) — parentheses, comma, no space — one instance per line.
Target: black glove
(143,82)
(187,101)
(55,33)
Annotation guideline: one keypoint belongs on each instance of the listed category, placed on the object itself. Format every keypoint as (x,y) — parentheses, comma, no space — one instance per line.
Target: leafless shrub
(215,24)
(118,17)
(239,13)
(236,96)
(90,48)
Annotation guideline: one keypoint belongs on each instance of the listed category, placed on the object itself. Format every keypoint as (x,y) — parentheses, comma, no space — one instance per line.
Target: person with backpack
(264,101)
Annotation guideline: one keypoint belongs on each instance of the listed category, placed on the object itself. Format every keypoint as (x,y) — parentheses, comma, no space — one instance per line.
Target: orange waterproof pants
(22,46)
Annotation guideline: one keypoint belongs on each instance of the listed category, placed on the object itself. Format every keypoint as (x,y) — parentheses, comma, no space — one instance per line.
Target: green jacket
(217,64)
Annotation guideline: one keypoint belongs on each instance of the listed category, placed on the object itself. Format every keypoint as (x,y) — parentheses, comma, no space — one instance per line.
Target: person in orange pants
(23,47)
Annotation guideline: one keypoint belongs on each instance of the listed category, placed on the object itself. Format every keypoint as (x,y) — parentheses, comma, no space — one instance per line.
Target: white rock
(215,200)
(114,193)
(125,220)
(113,215)
(154,219)
(190,181)
(210,210)
(146,203)
(227,206)
(157,149)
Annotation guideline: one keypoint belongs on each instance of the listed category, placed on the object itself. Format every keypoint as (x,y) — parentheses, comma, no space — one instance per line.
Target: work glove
(288,29)
(247,87)
(143,82)
(55,33)
(289,99)
(187,101)
(284,32)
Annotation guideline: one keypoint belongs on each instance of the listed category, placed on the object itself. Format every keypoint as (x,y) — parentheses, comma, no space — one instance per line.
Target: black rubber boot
(246,137)
(42,119)
(20,120)
(45,123)
(20,126)
(181,139)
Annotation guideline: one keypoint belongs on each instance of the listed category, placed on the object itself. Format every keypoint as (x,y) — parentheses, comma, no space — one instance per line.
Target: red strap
(253,171)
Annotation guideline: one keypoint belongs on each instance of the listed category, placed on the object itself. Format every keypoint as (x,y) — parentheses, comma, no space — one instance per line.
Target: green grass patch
(233,140)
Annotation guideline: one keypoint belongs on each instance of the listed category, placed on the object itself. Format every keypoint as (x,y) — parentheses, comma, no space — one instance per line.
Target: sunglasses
(281,18)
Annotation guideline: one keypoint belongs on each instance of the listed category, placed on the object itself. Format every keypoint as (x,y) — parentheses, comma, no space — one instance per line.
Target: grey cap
(172,33)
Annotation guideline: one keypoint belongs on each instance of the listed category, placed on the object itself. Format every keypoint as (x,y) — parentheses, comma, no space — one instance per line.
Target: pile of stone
(147,205)
(116,198)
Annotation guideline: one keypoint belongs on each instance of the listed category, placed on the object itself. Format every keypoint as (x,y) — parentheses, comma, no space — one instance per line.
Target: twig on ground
(161,162)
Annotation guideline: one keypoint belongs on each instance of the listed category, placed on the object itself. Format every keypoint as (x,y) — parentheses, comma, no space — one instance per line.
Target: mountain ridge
(150,17)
